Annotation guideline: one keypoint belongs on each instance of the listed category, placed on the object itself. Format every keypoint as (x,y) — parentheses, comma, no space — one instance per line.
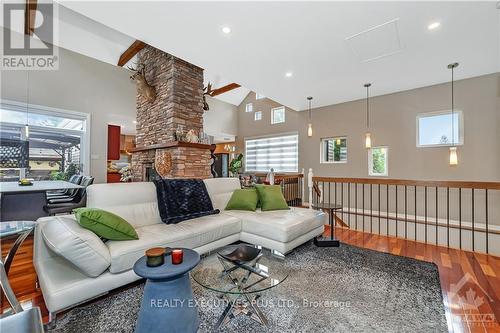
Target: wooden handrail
(282,176)
(408,182)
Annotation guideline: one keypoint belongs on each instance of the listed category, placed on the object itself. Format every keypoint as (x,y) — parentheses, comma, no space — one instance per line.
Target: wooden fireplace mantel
(171,144)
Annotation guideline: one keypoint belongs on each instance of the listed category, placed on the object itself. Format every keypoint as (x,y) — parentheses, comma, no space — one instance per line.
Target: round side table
(168,304)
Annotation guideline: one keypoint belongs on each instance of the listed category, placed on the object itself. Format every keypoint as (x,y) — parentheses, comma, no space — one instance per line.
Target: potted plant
(235,165)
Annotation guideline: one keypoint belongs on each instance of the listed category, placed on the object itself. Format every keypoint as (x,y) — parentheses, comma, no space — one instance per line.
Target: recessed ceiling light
(433,25)
(288,74)
(226,30)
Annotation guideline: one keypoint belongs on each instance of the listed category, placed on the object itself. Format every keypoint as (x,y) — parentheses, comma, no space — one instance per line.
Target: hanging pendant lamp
(309,126)
(453,149)
(368,136)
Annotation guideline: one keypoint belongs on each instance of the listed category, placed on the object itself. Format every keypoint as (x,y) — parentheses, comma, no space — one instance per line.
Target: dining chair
(59,206)
(75,179)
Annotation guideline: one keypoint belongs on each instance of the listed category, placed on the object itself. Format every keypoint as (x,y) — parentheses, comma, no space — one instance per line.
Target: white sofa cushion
(220,190)
(135,202)
(279,225)
(191,234)
(81,247)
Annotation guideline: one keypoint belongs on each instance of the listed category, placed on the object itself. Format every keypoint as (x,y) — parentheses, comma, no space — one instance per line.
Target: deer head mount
(206,91)
(143,87)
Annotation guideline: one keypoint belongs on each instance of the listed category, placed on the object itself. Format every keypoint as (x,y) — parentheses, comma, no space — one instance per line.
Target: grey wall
(394,124)
(81,84)
(221,119)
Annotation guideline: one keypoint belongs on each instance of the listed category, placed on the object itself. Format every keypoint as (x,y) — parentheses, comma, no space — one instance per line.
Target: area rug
(346,289)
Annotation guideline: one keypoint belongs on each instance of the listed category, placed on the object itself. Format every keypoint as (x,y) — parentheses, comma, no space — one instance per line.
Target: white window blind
(279,152)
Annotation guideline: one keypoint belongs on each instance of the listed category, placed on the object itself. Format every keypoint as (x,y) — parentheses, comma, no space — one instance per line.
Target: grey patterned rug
(346,289)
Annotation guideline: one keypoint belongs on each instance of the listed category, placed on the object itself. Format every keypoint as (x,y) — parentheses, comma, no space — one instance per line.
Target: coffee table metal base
(241,304)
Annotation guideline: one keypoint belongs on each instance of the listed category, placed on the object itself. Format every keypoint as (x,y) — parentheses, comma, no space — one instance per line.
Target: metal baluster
(356,204)
(460,217)
(437,215)
(415,203)
(406,213)
(425,209)
(379,209)
(387,209)
(342,199)
(349,204)
(329,192)
(448,216)
(473,218)
(363,207)
(486,219)
(397,218)
(323,193)
(371,213)
(336,193)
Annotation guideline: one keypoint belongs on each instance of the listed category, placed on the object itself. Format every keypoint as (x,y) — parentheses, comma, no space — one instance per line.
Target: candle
(177,255)
(155,257)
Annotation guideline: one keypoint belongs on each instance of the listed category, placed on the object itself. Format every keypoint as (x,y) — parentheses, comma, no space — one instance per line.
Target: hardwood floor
(476,275)
(470,281)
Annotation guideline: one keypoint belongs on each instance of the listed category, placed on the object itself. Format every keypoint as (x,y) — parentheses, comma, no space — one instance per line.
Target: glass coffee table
(240,285)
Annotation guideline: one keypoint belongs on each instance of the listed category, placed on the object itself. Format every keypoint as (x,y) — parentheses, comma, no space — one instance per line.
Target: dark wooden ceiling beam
(224,89)
(131,52)
(29,17)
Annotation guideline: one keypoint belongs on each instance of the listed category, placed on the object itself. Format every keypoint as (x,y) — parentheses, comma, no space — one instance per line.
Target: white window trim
(321,150)
(49,111)
(370,163)
(461,131)
(255,115)
(259,96)
(284,115)
(247,106)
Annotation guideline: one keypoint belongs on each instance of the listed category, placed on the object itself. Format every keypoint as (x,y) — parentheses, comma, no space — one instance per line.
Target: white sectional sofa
(74,265)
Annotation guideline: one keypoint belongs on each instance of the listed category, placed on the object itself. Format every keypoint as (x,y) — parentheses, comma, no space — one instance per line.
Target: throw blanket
(182,199)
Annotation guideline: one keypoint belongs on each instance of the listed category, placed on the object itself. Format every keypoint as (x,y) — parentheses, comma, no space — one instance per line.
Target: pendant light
(309,126)
(368,136)
(453,148)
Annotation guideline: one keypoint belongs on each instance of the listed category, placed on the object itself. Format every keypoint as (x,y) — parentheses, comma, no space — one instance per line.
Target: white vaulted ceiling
(330,48)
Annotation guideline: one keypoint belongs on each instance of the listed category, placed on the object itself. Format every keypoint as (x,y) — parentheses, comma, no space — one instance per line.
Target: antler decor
(143,87)
(206,91)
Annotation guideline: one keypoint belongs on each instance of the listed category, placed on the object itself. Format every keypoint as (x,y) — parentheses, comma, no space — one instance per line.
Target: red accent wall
(113,142)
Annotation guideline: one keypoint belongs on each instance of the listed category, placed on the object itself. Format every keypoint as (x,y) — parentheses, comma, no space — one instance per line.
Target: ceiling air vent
(377,42)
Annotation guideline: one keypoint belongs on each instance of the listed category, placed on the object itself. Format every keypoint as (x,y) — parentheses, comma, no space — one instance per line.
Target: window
(378,161)
(249,107)
(57,141)
(259,96)
(278,115)
(334,150)
(258,115)
(434,129)
(279,152)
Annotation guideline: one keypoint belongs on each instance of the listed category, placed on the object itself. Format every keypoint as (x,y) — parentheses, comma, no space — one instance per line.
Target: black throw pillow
(182,199)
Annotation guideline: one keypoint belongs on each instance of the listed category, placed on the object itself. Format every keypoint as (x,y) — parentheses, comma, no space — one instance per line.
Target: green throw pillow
(243,200)
(105,224)
(271,198)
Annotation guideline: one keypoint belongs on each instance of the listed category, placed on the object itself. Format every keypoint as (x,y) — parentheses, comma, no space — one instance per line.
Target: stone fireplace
(178,104)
